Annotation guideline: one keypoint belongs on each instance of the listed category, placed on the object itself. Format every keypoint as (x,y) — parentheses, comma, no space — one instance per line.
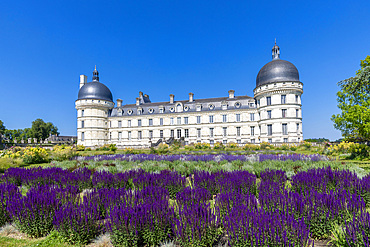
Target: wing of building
(273,115)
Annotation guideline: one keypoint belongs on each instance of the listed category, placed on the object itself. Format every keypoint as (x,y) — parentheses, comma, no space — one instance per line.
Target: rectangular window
(198,120)
(161,110)
(161,121)
(171,121)
(268,100)
(285,129)
(119,136)
(224,142)
(110,136)
(211,142)
(82,113)
(139,135)
(238,117)
(252,130)
(128,123)
(139,122)
(283,99)
(211,132)
(285,140)
(150,134)
(178,133)
(269,129)
(224,118)
(199,133)
(224,131)
(82,124)
(119,124)
(150,122)
(253,141)
(186,133)
(172,133)
(82,136)
(297,127)
(237,131)
(179,120)
(296,113)
(211,119)
(161,133)
(270,140)
(186,120)
(129,135)
(251,116)
(283,113)
(296,99)
(269,114)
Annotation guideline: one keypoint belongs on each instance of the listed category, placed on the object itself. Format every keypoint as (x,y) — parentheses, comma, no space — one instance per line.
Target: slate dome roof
(277,70)
(95,90)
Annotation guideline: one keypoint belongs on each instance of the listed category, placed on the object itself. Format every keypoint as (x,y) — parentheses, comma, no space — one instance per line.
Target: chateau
(273,115)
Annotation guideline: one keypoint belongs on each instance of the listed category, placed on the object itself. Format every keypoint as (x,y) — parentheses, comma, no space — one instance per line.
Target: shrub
(8,192)
(266,145)
(62,152)
(248,147)
(78,224)
(34,155)
(80,148)
(196,225)
(218,146)
(34,213)
(163,148)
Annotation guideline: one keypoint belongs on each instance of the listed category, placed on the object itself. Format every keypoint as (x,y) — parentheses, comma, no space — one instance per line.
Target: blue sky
(164,47)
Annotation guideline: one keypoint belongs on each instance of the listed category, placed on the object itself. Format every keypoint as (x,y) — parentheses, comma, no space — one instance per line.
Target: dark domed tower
(93,105)
(278,95)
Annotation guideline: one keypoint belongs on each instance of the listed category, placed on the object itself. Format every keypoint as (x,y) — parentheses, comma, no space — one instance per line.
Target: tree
(42,130)
(354,102)
(2,131)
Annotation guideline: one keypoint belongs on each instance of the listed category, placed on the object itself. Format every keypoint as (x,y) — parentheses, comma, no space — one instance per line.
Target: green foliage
(80,148)
(316,140)
(127,239)
(62,152)
(354,103)
(42,130)
(359,152)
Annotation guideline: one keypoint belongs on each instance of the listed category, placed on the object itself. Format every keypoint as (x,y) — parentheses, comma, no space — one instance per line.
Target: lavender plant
(196,225)
(78,223)
(8,192)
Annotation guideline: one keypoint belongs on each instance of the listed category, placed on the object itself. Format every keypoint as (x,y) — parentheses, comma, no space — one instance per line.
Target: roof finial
(275,51)
(275,44)
(95,75)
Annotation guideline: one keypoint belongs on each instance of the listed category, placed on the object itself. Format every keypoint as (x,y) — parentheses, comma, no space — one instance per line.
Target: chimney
(172,97)
(137,101)
(191,97)
(231,94)
(83,80)
(119,102)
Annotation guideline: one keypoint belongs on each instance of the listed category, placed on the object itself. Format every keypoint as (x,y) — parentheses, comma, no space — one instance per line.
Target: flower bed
(139,208)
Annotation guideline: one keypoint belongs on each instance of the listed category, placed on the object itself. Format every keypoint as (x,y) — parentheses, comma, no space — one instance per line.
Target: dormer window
(211,106)
(186,108)
(199,107)
(151,110)
(161,109)
(238,105)
(172,109)
(178,108)
(129,112)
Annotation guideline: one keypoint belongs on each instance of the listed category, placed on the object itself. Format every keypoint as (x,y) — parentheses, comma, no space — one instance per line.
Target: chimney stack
(172,97)
(83,80)
(137,101)
(231,94)
(119,102)
(191,97)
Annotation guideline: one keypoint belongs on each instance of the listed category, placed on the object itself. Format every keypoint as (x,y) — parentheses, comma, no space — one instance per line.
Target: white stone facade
(273,115)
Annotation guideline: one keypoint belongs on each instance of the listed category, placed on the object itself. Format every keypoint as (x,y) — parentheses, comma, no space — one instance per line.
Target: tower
(93,105)
(278,95)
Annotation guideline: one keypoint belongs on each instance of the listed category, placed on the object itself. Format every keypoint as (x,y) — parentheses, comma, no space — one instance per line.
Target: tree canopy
(42,130)
(2,127)
(354,103)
